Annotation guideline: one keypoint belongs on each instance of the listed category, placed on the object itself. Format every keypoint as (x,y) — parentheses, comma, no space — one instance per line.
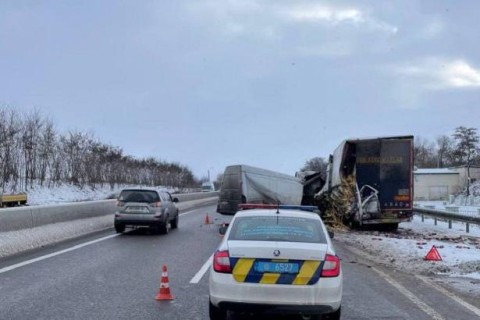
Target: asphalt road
(105,276)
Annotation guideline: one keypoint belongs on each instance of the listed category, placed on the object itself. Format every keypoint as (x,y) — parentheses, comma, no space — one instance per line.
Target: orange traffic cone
(207,219)
(164,291)
(433,255)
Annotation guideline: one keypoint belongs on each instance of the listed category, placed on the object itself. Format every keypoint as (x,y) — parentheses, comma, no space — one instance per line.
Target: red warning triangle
(433,255)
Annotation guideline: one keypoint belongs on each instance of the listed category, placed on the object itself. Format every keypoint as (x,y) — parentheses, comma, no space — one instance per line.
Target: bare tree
(31,151)
(32,125)
(444,151)
(10,129)
(317,164)
(46,150)
(466,148)
(424,153)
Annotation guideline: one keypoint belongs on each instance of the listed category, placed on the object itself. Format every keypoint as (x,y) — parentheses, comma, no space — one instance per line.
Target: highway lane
(375,292)
(118,277)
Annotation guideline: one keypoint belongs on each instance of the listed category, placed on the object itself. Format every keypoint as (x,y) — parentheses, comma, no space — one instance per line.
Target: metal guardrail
(448,216)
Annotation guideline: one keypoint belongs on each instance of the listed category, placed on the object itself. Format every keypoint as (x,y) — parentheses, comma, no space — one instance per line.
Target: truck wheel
(390,226)
(216,313)
(355,225)
(119,228)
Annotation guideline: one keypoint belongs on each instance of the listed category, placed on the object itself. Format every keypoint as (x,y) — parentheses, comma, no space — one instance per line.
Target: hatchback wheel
(174,223)
(216,313)
(163,228)
(119,228)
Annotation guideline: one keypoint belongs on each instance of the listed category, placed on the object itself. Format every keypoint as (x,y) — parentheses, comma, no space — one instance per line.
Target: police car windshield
(291,229)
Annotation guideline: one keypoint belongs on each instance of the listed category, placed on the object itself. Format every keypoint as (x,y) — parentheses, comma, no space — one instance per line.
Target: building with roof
(439,183)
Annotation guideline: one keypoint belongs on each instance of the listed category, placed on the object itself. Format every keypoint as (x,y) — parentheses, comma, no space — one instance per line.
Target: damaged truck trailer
(246,184)
(369,182)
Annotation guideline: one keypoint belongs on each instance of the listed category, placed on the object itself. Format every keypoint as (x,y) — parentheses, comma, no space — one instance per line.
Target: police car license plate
(276,267)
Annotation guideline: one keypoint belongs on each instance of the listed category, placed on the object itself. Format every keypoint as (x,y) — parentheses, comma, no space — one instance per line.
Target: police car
(276,259)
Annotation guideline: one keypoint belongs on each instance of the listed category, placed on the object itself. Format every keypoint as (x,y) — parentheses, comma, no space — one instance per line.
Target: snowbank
(70,193)
(405,250)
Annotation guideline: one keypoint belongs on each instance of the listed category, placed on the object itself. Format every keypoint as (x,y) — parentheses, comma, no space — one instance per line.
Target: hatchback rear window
(139,196)
(291,229)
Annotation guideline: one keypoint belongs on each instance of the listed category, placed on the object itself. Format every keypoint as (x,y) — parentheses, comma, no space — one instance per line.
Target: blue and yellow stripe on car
(243,271)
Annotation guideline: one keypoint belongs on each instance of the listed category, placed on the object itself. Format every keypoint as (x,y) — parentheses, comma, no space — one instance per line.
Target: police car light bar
(245,206)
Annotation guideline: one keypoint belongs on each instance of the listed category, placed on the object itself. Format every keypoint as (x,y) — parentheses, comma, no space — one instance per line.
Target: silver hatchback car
(146,207)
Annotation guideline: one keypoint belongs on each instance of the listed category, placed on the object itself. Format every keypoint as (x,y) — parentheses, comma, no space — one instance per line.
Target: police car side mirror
(331,234)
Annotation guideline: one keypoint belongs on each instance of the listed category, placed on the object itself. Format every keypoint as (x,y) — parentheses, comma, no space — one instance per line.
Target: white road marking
(439,288)
(452,296)
(417,301)
(187,212)
(53,254)
(196,278)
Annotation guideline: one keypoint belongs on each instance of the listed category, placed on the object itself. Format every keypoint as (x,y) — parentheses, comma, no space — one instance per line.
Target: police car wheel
(334,315)
(216,313)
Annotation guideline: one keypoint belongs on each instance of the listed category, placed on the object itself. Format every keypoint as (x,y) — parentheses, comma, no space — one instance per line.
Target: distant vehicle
(208,187)
(13,200)
(380,171)
(145,207)
(242,184)
(276,260)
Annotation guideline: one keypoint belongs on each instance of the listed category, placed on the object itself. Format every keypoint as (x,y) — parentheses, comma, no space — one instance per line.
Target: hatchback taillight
(331,266)
(221,262)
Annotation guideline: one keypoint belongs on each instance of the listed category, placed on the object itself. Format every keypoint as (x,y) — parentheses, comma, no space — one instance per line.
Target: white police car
(276,259)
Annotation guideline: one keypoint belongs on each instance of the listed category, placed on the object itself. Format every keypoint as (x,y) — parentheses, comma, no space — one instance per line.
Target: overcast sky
(211,83)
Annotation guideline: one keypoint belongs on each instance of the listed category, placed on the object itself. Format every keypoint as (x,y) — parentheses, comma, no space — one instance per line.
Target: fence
(450,214)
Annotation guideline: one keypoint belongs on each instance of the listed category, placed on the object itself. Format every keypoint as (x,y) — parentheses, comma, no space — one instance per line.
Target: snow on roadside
(405,250)
(473,211)
(13,242)
(70,193)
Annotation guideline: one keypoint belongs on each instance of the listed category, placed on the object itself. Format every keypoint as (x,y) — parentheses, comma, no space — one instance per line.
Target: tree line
(33,152)
(460,148)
